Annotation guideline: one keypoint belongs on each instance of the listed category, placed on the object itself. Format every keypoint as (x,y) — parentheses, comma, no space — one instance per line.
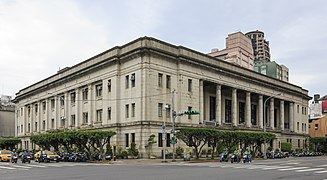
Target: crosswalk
(12,167)
(319,169)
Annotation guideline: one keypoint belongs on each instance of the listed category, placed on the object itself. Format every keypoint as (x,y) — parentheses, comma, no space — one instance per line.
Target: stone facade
(128,89)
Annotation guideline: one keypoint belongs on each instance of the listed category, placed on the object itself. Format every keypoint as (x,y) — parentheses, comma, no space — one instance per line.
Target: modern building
(238,51)
(260,45)
(318,127)
(318,117)
(132,89)
(272,69)
(7,117)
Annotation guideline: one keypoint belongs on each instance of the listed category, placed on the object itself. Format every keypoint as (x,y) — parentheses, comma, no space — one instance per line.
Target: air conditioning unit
(132,77)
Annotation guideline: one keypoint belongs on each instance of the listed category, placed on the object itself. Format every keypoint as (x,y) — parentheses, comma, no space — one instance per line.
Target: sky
(39,37)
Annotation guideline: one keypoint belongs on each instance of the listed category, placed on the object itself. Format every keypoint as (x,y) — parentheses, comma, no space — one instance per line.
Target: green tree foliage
(151,141)
(198,137)
(9,143)
(286,147)
(133,151)
(84,140)
(319,143)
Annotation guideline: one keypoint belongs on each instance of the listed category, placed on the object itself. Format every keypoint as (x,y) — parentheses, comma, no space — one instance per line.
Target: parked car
(5,155)
(47,156)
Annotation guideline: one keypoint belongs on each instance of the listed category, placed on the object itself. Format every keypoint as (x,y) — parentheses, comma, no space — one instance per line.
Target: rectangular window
(241,112)
(36,109)
(168,81)
(189,108)
(98,91)
(73,120)
(168,110)
(126,140)
(159,109)
(127,111)
(29,127)
(298,143)
(29,111)
(62,101)
(21,111)
(127,81)
(189,85)
(316,127)
(133,137)
(44,106)
(85,93)
(17,129)
(21,128)
(133,109)
(99,115)
(264,69)
(85,117)
(109,85)
(52,123)
(253,114)
(228,111)
(43,125)
(298,126)
(133,80)
(62,122)
(159,80)
(35,129)
(109,113)
(159,139)
(72,98)
(298,109)
(52,104)
(167,139)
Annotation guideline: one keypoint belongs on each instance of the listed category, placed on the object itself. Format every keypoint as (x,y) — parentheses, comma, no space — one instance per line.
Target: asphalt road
(286,169)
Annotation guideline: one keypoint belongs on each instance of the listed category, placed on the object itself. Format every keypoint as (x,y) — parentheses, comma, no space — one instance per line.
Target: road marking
(54,165)
(17,166)
(325,165)
(6,167)
(33,165)
(295,168)
(319,172)
(304,170)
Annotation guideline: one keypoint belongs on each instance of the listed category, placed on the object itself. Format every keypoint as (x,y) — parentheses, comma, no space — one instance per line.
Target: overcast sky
(38,37)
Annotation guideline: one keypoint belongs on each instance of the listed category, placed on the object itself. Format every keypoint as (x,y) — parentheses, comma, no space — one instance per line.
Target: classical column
(281,125)
(90,103)
(57,112)
(234,107)
(260,111)
(201,105)
(291,117)
(78,108)
(272,113)
(218,104)
(248,109)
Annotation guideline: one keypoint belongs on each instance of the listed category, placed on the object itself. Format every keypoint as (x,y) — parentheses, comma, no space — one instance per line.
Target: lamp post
(264,123)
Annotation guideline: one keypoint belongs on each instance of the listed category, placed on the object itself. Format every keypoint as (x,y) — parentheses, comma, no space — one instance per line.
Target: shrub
(179,151)
(286,147)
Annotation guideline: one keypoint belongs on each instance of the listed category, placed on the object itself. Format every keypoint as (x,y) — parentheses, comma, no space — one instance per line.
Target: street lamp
(264,123)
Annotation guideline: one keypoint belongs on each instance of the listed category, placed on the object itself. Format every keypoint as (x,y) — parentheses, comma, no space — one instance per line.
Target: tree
(133,151)
(151,141)
(9,143)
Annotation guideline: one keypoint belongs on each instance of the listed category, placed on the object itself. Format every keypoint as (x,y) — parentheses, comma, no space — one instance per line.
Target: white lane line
(33,165)
(304,170)
(325,165)
(295,168)
(320,172)
(6,167)
(17,166)
(54,165)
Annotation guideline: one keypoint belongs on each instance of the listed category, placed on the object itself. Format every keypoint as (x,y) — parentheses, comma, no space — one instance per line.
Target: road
(286,169)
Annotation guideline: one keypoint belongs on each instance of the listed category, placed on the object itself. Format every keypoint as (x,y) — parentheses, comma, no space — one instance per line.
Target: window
(159,109)
(159,80)
(133,80)
(189,85)
(44,106)
(29,127)
(298,126)
(127,81)
(52,123)
(189,109)
(109,113)
(302,110)
(298,143)
(228,111)
(254,114)
(126,140)
(43,125)
(256,68)
(85,93)
(17,129)
(85,118)
(36,109)
(73,119)
(298,109)
(133,137)
(29,111)
(35,129)
(62,101)
(133,109)
(21,128)
(168,109)
(52,104)
(98,91)
(73,98)
(264,69)
(167,140)
(127,111)
(109,85)
(168,81)
(241,112)
(316,127)
(159,139)
(99,115)
(62,122)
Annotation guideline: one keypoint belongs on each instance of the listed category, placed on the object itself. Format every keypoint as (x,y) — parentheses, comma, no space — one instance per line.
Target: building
(7,117)
(272,69)
(260,45)
(318,127)
(238,51)
(129,89)
(318,118)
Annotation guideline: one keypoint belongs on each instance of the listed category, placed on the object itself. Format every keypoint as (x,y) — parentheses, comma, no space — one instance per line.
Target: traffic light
(191,112)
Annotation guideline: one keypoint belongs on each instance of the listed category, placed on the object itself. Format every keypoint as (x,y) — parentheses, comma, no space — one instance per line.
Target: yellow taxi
(5,155)
(46,156)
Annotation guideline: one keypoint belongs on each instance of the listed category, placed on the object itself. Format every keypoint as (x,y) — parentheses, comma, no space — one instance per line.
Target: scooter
(224,158)
(14,158)
(235,158)
(26,159)
(246,158)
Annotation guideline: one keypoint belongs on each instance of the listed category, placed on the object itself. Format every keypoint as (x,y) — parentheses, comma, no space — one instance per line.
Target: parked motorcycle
(235,158)
(224,158)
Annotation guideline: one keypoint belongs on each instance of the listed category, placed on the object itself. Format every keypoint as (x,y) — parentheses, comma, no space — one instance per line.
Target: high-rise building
(238,51)
(260,45)
(272,69)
